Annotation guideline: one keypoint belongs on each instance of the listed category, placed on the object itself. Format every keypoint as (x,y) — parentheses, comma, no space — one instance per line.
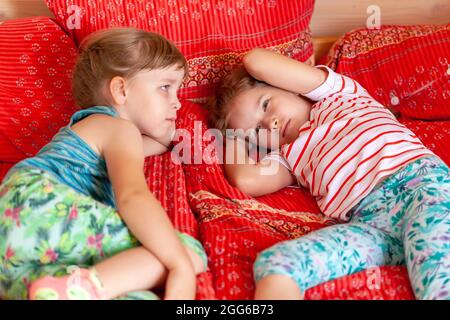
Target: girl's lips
(285,128)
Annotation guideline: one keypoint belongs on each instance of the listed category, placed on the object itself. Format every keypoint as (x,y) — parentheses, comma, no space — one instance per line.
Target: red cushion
(383,283)
(433,134)
(36,59)
(407,68)
(212,35)
(4,167)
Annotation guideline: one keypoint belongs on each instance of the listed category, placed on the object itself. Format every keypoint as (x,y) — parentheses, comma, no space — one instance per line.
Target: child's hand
(181,284)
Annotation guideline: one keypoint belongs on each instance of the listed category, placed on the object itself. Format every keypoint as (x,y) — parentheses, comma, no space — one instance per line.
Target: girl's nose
(274,124)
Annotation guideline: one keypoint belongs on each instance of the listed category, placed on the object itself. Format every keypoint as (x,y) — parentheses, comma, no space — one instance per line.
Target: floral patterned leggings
(45,226)
(405,219)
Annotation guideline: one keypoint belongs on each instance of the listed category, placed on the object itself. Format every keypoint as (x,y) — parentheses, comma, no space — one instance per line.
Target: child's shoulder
(98,130)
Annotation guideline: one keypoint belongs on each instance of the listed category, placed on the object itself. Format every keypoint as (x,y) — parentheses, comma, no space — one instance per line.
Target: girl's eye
(165,87)
(265,104)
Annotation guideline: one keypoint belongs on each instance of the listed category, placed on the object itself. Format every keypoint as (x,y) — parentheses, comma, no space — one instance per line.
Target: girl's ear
(117,90)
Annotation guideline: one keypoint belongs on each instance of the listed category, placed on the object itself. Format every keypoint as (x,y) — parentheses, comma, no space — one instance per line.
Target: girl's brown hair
(239,80)
(118,52)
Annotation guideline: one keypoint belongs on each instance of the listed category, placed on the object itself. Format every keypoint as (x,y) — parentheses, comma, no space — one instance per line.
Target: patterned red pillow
(407,68)
(433,134)
(377,283)
(36,61)
(213,35)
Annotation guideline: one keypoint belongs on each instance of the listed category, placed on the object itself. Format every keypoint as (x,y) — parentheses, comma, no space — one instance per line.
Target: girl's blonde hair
(237,81)
(118,52)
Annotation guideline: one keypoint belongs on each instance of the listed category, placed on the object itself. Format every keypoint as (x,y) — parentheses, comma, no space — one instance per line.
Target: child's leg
(321,256)
(138,269)
(413,205)
(132,270)
(45,223)
(427,232)
(277,287)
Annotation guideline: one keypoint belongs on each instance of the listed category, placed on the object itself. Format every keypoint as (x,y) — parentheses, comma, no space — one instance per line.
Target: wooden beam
(13,9)
(333,17)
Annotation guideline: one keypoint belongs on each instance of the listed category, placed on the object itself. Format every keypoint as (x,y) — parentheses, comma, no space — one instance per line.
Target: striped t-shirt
(350,143)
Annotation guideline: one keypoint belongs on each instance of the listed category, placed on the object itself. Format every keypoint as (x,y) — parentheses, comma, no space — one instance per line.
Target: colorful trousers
(404,220)
(45,226)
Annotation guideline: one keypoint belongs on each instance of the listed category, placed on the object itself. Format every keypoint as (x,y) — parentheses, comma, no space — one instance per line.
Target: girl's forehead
(243,110)
(170,72)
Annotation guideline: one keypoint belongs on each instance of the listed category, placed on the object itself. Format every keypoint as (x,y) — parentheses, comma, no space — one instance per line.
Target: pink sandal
(81,284)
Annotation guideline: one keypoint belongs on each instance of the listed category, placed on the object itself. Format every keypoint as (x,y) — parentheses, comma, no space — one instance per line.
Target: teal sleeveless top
(70,159)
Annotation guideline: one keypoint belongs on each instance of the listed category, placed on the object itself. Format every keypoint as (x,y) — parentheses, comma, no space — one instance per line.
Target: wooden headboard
(330,20)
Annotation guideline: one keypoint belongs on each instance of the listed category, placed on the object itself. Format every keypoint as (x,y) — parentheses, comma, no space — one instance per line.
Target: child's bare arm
(155,147)
(138,207)
(252,178)
(283,72)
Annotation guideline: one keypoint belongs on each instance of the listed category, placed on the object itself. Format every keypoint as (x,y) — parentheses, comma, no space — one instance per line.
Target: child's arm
(255,179)
(283,72)
(141,211)
(154,147)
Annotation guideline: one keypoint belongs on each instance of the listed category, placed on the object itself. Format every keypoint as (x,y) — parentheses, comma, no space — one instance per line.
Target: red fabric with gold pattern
(36,60)
(213,35)
(407,68)
(383,283)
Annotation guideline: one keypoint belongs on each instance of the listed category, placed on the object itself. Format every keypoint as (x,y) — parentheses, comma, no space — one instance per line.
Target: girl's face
(274,115)
(152,102)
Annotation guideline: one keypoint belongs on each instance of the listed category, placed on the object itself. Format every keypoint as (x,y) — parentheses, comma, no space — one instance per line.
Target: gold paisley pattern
(209,70)
(362,41)
(211,208)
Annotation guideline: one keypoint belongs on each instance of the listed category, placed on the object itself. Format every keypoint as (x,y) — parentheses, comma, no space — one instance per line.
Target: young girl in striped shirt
(361,165)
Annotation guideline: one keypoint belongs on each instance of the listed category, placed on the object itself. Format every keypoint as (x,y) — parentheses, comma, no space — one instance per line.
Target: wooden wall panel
(11,9)
(330,18)
(335,17)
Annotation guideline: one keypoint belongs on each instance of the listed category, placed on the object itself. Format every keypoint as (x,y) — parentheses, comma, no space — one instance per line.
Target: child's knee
(195,251)
(277,286)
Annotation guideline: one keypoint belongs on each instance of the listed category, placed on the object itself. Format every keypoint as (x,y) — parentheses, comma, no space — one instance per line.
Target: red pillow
(433,134)
(407,68)
(212,35)
(36,61)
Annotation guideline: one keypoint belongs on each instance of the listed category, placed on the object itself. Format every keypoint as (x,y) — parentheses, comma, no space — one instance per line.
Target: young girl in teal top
(83,199)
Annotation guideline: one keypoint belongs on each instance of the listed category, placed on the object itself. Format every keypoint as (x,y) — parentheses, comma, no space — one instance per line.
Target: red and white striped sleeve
(335,83)
(276,156)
